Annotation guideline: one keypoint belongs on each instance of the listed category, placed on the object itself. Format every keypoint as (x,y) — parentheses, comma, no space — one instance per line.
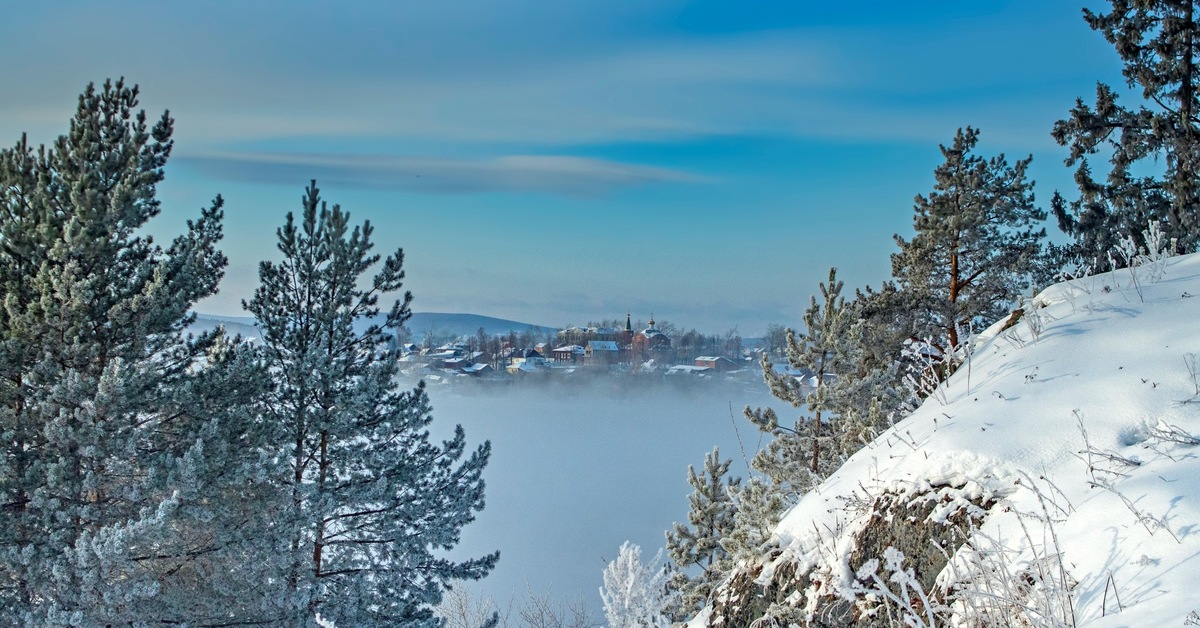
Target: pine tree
(974,249)
(105,405)
(829,358)
(758,506)
(697,547)
(633,593)
(370,500)
(1158,42)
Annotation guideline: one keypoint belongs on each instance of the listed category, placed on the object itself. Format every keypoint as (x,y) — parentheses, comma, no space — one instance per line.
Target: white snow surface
(1107,360)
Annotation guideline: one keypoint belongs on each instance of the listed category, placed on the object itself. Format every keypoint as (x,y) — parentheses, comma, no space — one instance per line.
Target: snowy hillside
(1065,454)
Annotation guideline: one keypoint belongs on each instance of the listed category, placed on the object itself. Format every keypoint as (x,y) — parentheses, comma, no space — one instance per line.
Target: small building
(602,352)
(569,354)
(525,369)
(439,359)
(686,369)
(526,356)
(720,364)
(478,370)
(456,363)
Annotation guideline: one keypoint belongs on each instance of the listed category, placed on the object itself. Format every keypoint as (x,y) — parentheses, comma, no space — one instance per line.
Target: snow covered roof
(603,345)
(688,368)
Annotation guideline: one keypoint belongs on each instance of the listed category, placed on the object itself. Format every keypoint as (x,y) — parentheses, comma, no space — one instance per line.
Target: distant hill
(441,324)
(466,325)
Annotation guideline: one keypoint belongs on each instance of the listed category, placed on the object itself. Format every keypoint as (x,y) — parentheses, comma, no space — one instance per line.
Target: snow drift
(1052,480)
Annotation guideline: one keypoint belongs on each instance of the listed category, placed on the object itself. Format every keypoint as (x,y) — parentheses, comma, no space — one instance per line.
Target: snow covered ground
(1081,420)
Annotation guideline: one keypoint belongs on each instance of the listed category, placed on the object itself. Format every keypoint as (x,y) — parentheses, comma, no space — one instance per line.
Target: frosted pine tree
(106,410)
(758,506)
(696,546)
(633,593)
(370,501)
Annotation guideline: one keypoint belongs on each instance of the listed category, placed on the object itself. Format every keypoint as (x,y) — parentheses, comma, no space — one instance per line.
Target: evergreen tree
(370,500)
(758,506)
(633,593)
(1158,42)
(849,393)
(974,250)
(106,409)
(697,547)
(828,358)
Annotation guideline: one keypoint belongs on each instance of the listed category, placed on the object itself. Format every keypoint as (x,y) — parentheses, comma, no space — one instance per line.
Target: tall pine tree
(976,246)
(107,411)
(1159,43)
(370,501)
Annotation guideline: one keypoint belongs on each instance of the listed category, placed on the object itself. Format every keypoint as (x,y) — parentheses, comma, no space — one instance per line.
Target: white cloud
(566,175)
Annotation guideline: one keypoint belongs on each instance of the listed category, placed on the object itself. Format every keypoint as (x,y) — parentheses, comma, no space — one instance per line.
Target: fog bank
(575,471)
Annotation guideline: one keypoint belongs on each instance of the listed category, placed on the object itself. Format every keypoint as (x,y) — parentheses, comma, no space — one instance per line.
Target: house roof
(687,368)
(603,345)
(477,368)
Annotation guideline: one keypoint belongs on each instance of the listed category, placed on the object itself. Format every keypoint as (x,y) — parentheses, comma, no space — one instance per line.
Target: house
(602,352)
(686,369)
(478,370)
(439,359)
(720,364)
(525,369)
(568,354)
(456,363)
(528,356)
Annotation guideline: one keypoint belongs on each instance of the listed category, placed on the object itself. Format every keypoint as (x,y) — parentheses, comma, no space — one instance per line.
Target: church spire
(628,322)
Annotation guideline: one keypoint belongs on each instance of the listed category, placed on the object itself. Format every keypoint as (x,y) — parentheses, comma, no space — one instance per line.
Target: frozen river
(576,471)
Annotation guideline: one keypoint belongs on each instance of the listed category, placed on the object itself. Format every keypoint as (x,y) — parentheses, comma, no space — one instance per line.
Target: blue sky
(557,162)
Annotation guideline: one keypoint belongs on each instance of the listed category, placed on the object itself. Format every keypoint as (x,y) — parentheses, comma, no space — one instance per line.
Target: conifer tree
(1159,43)
(975,247)
(697,547)
(105,407)
(370,501)
(758,506)
(829,358)
(633,593)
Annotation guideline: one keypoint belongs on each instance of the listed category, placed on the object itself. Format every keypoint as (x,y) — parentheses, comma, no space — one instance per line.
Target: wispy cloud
(532,72)
(564,175)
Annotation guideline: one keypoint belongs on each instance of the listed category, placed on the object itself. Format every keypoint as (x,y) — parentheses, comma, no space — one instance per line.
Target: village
(584,353)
